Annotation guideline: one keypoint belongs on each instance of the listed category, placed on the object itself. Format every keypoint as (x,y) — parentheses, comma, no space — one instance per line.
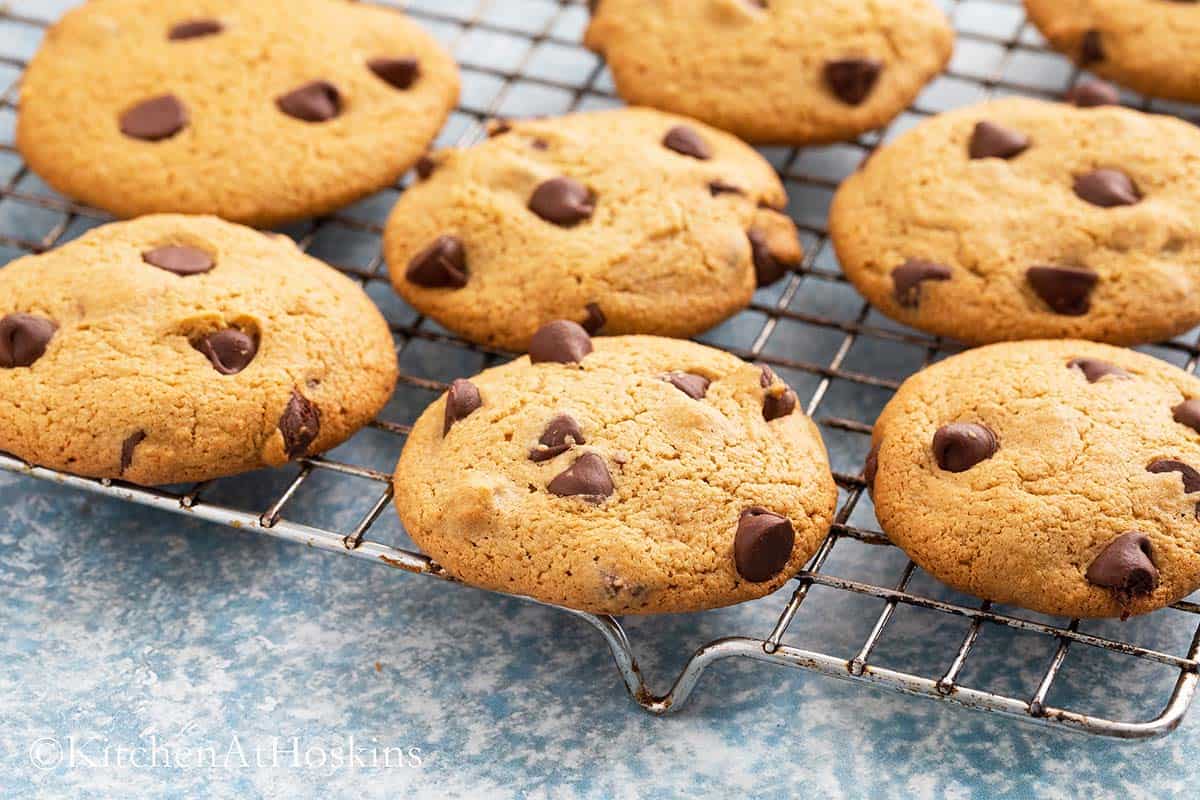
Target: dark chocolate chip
(1067,290)
(961,445)
(229,350)
(442,264)
(315,101)
(1090,94)
(462,400)
(908,277)
(595,320)
(155,119)
(1125,564)
(686,141)
(540,144)
(1191,478)
(588,478)
(991,140)
(560,342)
(563,201)
(1094,369)
(194,29)
(763,544)
(300,424)
(693,385)
(767,376)
(498,127)
(719,187)
(128,446)
(1091,49)
(852,79)
(179,259)
(778,404)
(23,339)
(768,268)
(561,434)
(1188,413)
(1107,188)
(871,468)
(400,73)
(425,167)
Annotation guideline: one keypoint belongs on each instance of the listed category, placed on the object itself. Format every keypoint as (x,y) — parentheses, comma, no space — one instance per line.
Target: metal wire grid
(994,28)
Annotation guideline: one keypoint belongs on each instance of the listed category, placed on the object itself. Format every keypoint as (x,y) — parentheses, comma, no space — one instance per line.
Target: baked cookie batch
(616,467)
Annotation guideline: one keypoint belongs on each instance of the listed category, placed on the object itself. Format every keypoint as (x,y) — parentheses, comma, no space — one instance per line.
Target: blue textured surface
(128,629)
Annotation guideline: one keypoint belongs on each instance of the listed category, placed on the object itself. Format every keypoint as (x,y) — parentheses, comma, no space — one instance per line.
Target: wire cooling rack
(522,57)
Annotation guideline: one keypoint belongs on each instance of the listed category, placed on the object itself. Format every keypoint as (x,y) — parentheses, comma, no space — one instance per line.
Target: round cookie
(1150,46)
(1053,475)
(784,71)
(173,349)
(1022,219)
(624,475)
(259,111)
(629,221)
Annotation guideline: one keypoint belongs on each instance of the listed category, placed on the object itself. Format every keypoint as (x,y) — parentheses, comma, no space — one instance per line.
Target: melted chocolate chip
(300,425)
(763,544)
(852,79)
(1107,188)
(1126,564)
(559,342)
(315,101)
(588,478)
(871,468)
(768,268)
(229,350)
(595,320)
(155,119)
(961,445)
(686,141)
(778,404)
(1091,49)
(1188,413)
(442,264)
(560,435)
(425,167)
(1094,369)
(1090,94)
(766,377)
(462,400)
(1067,290)
(1191,478)
(693,385)
(908,277)
(128,446)
(194,29)
(179,259)
(719,187)
(23,339)
(991,140)
(563,201)
(400,73)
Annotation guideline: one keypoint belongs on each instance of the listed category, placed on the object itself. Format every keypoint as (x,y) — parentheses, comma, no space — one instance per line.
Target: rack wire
(533,45)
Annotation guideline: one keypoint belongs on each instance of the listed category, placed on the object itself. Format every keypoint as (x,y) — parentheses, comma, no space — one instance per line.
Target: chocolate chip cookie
(1056,475)
(783,71)
(627,221)
(620,475)
(1148,45)
(1021,219)
(172,349)
(258,111)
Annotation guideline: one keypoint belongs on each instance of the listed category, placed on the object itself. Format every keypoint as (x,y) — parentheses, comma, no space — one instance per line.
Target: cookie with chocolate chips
(1147,45)
(1061,476)
(172,349)
(627,221)
(1023,219)
(774,71)
(258,111)
(619,475)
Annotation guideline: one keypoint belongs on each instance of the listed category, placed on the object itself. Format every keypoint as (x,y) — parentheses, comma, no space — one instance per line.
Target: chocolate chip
(442,264)
(540,144)
(778,404)
(560,342)
(908,277)
(1191,478)
(961,445)
(1090,94)
(1067,290)
(991,140)
(766,377)
(315,101)
(561,434)
(1188,413)
(871,468)
(155,119)
(128,446)
(1125,564)
(852,79)
(595,320)
(229,350)
(300,424)
(194,29)
(1094,369)
(425,167)
(1107,188)
(1091,49)
(693,385)
(588,478)
(719,187)
(23,339)
(563,201)
(179,259)
(686,141)
(401,73)
(462,400)
(763,544)
(498,127)
(768,268)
